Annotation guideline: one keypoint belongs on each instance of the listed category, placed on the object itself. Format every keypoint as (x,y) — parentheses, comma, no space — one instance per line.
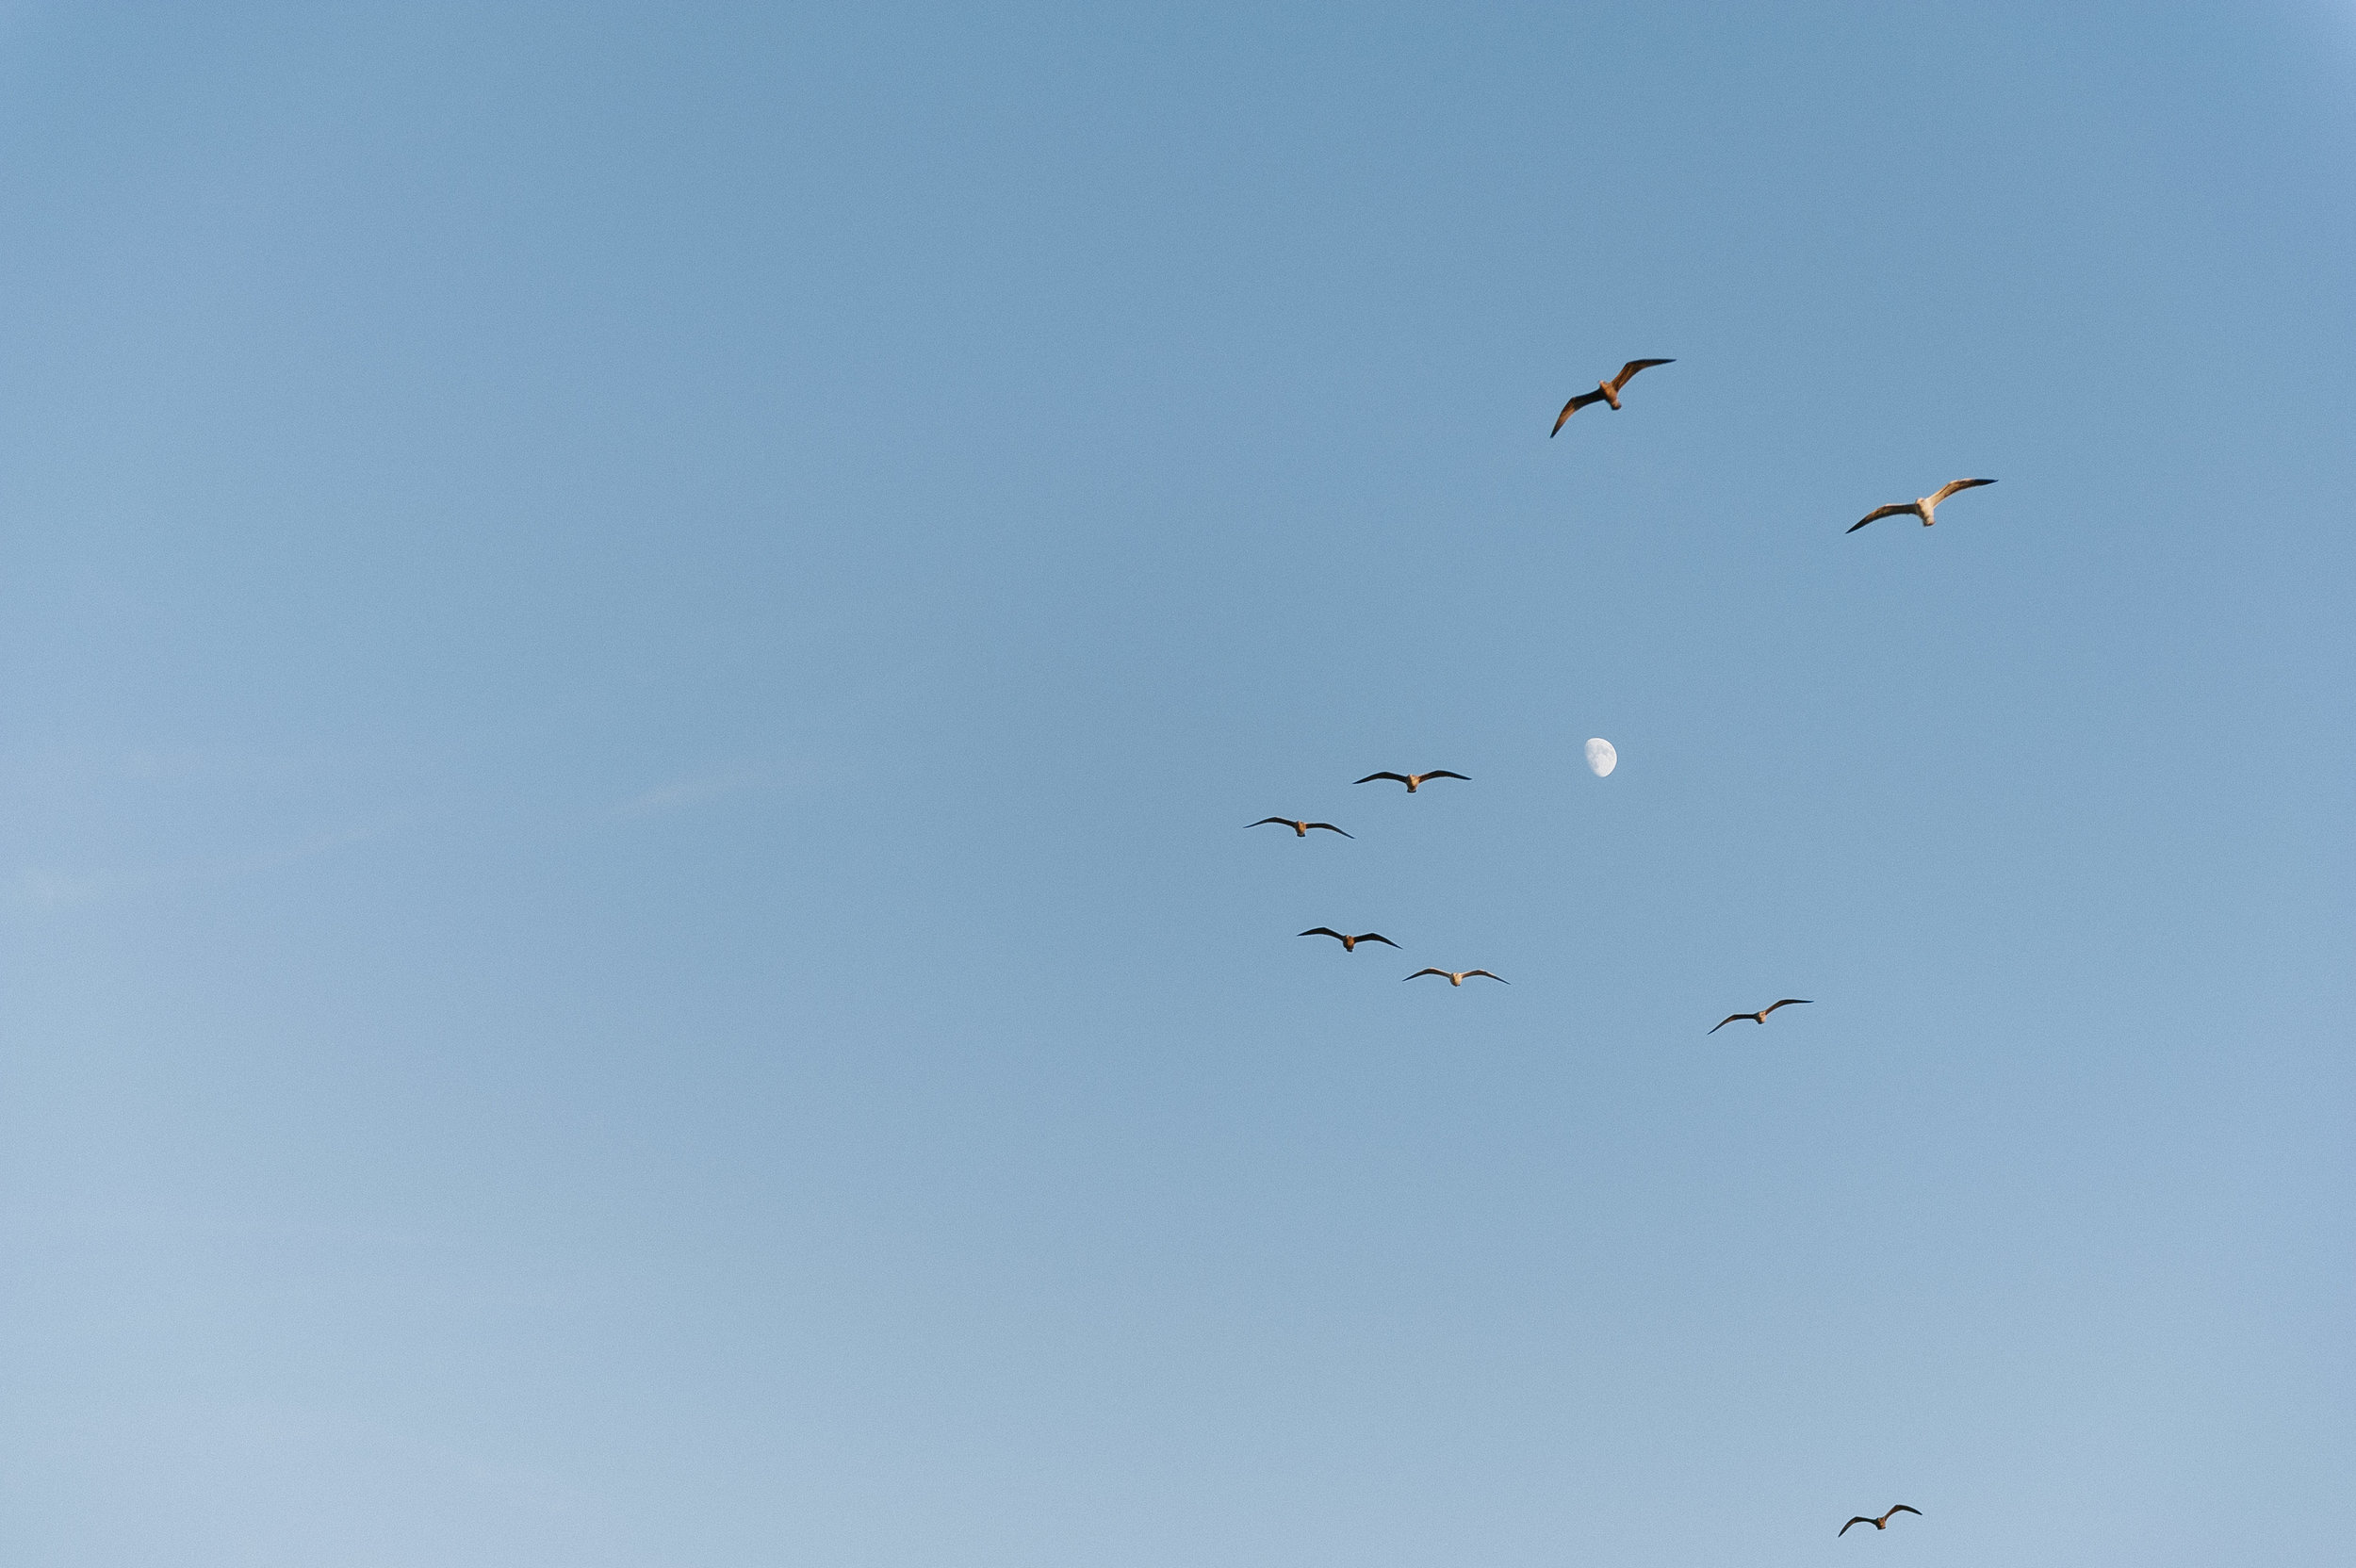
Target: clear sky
(635,642)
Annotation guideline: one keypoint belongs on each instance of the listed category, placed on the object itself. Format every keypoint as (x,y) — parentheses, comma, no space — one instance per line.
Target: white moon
(1601,758)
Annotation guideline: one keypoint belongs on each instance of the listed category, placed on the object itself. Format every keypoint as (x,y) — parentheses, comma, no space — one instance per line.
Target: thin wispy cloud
(696,789)
(45,888)
(310,846)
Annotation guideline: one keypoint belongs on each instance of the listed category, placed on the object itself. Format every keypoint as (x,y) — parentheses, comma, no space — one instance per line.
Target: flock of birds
(1302,827)
(1608,392)
(1350,944)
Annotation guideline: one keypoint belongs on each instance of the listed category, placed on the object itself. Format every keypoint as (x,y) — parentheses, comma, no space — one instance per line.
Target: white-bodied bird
(1925,507)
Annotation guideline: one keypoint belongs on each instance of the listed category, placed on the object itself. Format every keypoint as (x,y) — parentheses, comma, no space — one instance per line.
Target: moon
(1601,758)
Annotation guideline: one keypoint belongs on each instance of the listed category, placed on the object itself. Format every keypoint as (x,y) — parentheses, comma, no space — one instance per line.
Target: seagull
(1605,392)
(1301,830)
(1925,507)
(1758,1016)
(1458,976)
(1881,1523)
(1350,944)
(1412,780)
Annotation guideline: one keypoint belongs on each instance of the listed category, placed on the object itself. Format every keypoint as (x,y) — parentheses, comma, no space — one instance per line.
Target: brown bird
(1350,944)
(1760,1016)
(1605,392)
(1301,830)
(1925,507)
(1458,976)
(1412,780)
(1881,1523)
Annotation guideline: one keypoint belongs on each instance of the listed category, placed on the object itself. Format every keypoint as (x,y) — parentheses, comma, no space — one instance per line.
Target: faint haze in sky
(636,643)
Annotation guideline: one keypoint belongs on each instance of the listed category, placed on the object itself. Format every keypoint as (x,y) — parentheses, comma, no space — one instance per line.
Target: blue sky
(637,642)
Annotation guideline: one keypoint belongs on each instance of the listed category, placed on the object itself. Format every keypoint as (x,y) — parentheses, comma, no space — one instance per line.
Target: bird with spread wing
(1301,830)
(1350,944)
(1412,780)
(1605,392)
(1881,1523)
(1925,507)
(1458,976)
(1760,1016)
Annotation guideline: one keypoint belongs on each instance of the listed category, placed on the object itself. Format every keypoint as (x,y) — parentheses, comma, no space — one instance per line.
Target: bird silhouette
(1458,976)
(1301,830)
(1760,1016)
(1925,507)
(1350,944)
(1412,780)
(1881,1523)
(1605,392)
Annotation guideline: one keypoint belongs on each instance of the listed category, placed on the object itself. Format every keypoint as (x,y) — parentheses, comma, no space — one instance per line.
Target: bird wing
(1628,371)
(1377,937)
(1281,821)
(1901,1508)
(1860,1519)
(1789,1002)
(1421,973)
(1328,826)
(1895,509)
(1573,407)
(1724,1022)
(1947,490)
(1326,931)
(1372,776)
(1499,978)
(1442,773)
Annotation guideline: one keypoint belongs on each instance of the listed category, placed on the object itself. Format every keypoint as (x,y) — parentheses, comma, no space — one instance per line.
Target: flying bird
(1881,1523)
(1760,1016)
(1350,944)
(1925,507)
(1458,976)
(1301,830)
(1412,780)
(1605,392)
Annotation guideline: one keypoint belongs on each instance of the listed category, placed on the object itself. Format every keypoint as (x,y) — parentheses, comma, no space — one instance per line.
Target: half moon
(1601,758)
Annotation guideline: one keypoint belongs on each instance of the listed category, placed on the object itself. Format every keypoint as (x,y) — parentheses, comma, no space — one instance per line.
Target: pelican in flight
(1458,976)
(1413,780)
(1925,507)
(1881,1523)
(1301,830)
(1350,944)
(1760,1016)
(1605,392)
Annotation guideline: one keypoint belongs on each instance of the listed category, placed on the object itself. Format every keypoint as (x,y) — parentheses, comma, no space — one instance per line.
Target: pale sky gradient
(636,641)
